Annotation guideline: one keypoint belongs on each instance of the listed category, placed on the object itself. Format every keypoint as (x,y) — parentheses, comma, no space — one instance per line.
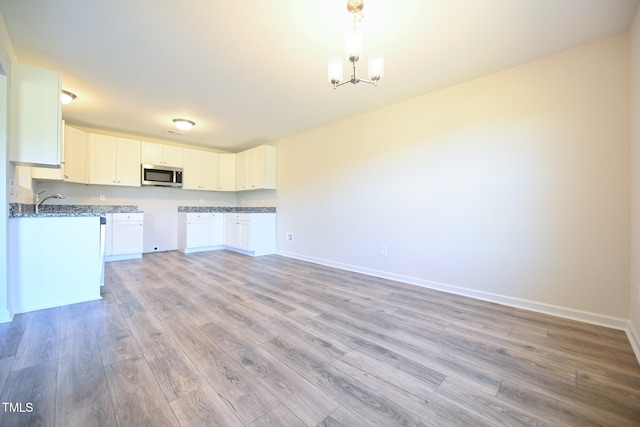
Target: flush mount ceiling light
(354,52)
(184,124)
(67,97)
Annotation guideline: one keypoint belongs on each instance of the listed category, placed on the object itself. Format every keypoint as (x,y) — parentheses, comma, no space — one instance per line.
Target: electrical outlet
(383,251)
(13,188)
(289,237)
(102,197)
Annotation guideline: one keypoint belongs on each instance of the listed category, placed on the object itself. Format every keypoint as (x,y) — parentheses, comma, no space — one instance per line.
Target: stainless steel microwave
(162,176)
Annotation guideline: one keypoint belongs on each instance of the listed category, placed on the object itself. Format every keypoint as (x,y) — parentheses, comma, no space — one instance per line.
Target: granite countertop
(212,209)
(20,210)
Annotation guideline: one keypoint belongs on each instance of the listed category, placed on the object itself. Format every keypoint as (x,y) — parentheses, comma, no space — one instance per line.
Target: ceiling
(251,72)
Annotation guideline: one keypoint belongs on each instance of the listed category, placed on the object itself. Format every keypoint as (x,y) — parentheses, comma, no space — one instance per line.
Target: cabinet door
(192,169)
(241,171)
(161,154)
(35,116)
(217,229)
(232,233)
(226,172)
(255,168)
(127,237)
(209,171)
(128,162)
(198,232)
(172,156)
(245,235)
(237,234)
(102,159)
(151,153)
(76,148)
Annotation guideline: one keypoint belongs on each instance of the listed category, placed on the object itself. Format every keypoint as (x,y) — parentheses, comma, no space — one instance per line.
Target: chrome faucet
(51,196)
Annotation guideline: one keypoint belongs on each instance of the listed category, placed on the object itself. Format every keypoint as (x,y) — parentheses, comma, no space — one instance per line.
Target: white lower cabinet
(250,233)
(124,236)
(200,231)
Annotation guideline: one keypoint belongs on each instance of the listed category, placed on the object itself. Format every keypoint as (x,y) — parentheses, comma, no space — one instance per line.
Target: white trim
(5,316)
(554,310)
(634,339)
(125,257)
(23,309)
(200,249)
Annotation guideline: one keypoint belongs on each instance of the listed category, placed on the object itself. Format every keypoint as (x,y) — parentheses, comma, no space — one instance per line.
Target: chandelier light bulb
(353,45)
(376,66)
(335,71)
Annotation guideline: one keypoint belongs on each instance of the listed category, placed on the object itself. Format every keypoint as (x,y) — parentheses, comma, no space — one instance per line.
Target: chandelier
(353,43)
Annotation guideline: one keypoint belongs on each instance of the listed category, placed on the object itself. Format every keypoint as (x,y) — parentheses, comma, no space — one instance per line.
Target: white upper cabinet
(160,154)
(200,170)
(114,160)
(75,155)
(226,172)
(35,123)
(256,168)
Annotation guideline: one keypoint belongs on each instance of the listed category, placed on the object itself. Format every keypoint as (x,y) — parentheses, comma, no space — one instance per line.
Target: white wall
(515,185)
(160,205)
(635,179)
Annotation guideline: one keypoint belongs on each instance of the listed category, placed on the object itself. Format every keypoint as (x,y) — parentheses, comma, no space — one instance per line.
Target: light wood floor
(221,339)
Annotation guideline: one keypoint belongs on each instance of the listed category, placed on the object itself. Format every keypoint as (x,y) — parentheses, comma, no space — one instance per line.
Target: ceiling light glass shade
(183,124)
(353,44)
(335,70)
(376,66)
(67,97)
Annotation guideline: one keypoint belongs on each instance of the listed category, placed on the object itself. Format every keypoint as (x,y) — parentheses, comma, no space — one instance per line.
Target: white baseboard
(28,309)
(112,258)
(634,339)
(5,316)
(565,312)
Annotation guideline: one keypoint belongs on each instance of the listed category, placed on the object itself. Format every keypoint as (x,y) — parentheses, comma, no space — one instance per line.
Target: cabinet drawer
(138,216)
(238,216)
(198,215)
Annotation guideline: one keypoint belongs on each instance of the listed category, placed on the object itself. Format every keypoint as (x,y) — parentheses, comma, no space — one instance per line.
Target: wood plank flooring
(221,339)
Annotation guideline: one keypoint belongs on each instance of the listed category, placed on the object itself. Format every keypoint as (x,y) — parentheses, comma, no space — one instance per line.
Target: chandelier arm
(335,85)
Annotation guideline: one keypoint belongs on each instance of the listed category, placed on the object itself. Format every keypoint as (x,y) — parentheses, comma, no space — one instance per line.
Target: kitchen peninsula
(56,255)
